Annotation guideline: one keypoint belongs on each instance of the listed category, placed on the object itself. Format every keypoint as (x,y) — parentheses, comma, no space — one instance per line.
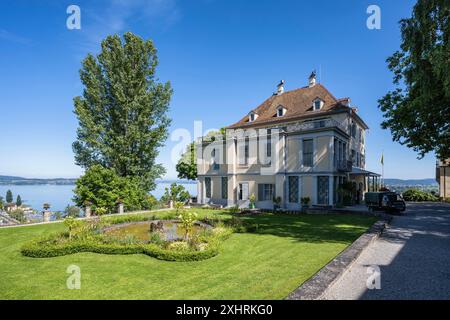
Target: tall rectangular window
(293,189)
(208,187)
(336,151)
(243,191)
(246,150)
(224,188)
(269,143)
(344,151)
(308,153)
(214,155)
(243,151)
(266,192)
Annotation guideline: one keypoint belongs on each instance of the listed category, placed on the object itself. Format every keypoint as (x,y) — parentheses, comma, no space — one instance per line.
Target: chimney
(312,79)
(280,88)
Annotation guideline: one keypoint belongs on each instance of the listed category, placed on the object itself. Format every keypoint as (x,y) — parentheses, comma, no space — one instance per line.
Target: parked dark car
(385,200)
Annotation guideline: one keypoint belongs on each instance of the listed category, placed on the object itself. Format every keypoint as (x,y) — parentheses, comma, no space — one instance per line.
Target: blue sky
(222,57)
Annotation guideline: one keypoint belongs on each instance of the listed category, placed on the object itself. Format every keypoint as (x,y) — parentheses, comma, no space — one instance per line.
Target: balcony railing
(317,124)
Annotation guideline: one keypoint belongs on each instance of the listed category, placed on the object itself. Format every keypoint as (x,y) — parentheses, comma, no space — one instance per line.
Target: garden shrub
(72,211)
(234,209)
(18,215)
(418,196)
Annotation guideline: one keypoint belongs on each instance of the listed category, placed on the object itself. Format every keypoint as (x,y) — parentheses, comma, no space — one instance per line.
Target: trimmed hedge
(43,249)
(60,244)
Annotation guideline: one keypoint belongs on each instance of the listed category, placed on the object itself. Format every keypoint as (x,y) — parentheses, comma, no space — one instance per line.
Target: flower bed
(88,236)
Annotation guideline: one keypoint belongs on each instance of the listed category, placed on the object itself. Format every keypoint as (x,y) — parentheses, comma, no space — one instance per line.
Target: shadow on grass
(312,228)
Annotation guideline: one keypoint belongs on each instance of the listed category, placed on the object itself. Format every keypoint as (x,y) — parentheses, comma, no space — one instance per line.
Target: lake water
(59,196)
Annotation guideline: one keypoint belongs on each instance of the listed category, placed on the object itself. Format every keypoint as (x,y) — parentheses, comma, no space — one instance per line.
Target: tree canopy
(103,188)
(9,196)
(18,201)
(122,113)
(417,111)
(187,165)
(176,193)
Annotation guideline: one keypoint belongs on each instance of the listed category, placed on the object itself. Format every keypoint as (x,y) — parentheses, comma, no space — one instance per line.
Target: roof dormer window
(252,116)
(317,104)
(281,111)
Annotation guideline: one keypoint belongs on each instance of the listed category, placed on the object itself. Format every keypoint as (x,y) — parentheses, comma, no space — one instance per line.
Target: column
(199,192)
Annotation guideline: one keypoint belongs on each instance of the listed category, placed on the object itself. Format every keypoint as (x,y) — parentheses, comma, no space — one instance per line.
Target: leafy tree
(122,114)
(103,187)
(72,211)
(187,165)
(176,193)
(2,203)
(187,219)
(418,111)
(58,215)
(46,206)
(18,215)
(9,196)
(151,202)
(18,201)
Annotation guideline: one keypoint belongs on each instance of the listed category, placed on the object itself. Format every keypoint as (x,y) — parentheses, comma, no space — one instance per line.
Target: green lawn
(285,252)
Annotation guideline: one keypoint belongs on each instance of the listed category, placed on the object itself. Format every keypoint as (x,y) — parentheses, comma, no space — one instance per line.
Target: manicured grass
(286,251)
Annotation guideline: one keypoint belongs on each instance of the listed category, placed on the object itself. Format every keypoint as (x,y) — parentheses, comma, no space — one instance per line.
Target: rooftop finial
(280,88)
(312,79)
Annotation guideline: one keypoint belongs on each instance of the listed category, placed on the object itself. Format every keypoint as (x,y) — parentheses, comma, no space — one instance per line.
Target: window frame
(224,191)
(297,195)
(308,155)
(315,107)
(266,191)
(208,187)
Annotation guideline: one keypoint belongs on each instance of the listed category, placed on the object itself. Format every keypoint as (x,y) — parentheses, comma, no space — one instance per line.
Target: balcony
(343,165)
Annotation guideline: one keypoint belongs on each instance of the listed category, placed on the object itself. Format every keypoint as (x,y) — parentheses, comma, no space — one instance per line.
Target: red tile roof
(298,103)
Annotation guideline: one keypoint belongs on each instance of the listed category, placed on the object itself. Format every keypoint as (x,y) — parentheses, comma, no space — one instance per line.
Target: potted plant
(276,203)
(252,201)
(305,203)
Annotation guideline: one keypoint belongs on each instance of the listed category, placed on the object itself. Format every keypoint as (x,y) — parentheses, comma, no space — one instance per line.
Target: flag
(382,159)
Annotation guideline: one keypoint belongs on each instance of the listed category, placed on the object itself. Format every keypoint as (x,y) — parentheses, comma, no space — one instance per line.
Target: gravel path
(413,255)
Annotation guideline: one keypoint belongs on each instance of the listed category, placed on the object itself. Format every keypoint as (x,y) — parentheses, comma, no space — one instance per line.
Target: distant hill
(12,180)
(7,178)
(410,182)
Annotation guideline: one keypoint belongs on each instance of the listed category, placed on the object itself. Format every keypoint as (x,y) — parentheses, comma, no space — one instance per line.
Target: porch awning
(360,172)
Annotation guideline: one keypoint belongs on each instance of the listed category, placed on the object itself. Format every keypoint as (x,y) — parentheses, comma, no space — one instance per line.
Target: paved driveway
(413,255)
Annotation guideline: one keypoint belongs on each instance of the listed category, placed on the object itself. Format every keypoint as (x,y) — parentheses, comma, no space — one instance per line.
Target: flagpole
(382,170)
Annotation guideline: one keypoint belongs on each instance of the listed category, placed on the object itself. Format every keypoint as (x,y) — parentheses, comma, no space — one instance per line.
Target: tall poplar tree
(9,196)
(122,114)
